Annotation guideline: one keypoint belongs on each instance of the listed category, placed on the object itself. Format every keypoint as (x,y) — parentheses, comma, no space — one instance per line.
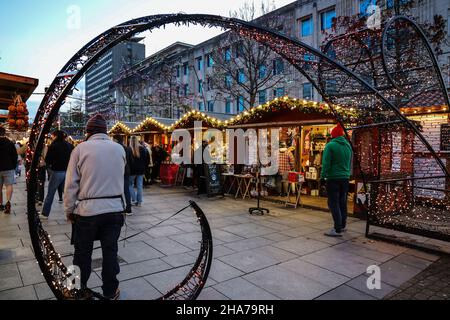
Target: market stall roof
(208,120)
(119,129)
(287,111)
(12,85)
(151,125)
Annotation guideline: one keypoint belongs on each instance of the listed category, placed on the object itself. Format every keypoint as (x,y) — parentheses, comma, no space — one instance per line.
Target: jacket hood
(341,140)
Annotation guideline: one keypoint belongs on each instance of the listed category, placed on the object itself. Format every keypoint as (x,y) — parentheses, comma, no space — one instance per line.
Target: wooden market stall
(204,177)
(120,129)
(15,90)
(304,128)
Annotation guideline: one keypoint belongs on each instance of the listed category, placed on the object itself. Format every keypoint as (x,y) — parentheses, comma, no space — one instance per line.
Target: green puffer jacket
(336,160)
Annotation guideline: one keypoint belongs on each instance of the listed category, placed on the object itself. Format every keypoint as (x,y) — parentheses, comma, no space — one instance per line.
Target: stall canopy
(151,125)
(209,120)
(12,85)
(284,112)
(120,129)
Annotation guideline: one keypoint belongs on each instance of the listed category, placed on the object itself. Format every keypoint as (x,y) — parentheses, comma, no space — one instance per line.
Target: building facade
(100,77)
(180,75)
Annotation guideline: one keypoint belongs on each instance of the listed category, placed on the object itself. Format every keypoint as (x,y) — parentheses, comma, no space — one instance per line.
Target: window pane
(262,97)
(306,27)
(228,106)
(262,71)
(327,19)
(307,91)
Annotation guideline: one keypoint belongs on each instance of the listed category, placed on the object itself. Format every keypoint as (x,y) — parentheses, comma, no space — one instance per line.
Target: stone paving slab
(282,255)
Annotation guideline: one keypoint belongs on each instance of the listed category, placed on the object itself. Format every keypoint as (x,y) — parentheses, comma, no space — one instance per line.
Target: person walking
(93,203)
(139,163)
(8,161)
(57,160)
(126,181)
(336,170)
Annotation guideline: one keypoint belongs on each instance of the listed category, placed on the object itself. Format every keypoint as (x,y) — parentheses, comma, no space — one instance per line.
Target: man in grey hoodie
(94,202)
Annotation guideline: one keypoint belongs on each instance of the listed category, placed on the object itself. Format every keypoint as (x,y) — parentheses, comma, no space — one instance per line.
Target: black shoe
(2,207)
(60,200)
(7,208)
(114,296)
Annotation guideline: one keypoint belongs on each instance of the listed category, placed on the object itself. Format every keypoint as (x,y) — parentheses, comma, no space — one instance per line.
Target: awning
(12,85)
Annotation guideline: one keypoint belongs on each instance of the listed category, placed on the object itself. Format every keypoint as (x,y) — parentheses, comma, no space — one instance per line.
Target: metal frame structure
(319,69)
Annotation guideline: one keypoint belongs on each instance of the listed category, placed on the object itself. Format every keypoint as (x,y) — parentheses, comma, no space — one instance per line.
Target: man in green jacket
(336,167)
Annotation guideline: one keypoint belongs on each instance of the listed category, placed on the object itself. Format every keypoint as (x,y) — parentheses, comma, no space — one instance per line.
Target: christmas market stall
(398,168)
(121,130)
(304,129)
(203,128)
(15,90)
(154,131)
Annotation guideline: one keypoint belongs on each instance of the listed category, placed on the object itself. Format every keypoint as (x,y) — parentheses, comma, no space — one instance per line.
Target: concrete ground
(283,255)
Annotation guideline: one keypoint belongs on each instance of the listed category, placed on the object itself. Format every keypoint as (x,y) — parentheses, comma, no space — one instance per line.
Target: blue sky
(35,39)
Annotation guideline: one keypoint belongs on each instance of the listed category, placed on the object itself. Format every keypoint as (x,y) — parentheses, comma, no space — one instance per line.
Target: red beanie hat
(96,124)
(337,131)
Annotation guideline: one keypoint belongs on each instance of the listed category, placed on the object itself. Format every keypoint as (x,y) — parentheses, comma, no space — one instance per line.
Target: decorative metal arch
(399,61)
(317,67)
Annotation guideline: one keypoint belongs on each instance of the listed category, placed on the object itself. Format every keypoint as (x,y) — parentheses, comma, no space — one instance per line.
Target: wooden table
(296,193)
(244,181)
(228,176)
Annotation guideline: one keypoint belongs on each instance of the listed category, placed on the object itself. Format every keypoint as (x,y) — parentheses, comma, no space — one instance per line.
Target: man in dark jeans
(94,203)
(336,170)
(119,140)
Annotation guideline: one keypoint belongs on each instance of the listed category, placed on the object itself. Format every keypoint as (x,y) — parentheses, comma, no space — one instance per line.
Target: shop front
(304,129)
(198,125)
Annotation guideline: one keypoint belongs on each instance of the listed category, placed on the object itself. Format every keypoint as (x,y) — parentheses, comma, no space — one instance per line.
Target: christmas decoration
(18,115)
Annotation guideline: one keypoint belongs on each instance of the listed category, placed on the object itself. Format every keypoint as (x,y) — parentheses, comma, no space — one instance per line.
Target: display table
(244,181)
(231,180)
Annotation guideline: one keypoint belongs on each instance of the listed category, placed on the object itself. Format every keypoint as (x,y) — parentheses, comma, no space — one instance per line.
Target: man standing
(94,203)
(286,163)
(336,167)
(8,161)
(126,181)
(57,160)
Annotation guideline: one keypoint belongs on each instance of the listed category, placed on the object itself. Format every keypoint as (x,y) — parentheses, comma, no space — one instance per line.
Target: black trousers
(106,228)
(337,191)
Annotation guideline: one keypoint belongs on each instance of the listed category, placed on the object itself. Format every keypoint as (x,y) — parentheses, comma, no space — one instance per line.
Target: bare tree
(242,67)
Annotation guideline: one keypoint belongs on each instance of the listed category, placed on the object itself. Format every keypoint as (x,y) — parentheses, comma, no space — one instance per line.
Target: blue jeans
(106,228)
(337,191)
(57,178)
(136,196)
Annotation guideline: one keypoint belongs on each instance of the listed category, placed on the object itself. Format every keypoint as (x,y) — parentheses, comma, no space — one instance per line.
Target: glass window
(241,76)
(201,106)
(210,61)
(227,54)
(331,86)
(278,92)
(390,3)
(228,106)
(228,81)
(199,63)
(326,19)
(241,103)
(278,66)
(186,89)
(185,69)
(306,27)
(262,71)
(364,6)
(211,106)
(178,71)
(262,96)
(307,91)
(200,86)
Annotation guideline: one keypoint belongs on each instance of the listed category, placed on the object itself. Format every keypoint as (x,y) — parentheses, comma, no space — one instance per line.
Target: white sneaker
(129,214)
(333,233)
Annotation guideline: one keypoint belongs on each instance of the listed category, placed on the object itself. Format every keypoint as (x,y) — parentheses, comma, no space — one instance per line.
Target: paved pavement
(283,255)
(431,284)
